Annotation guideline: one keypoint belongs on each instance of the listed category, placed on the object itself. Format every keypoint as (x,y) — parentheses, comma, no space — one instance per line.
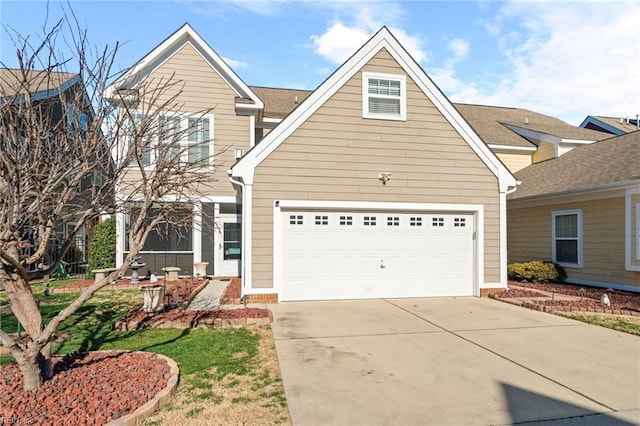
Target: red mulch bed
(233,291)
(620,300)
(92,388)
(179,290)
(186,319)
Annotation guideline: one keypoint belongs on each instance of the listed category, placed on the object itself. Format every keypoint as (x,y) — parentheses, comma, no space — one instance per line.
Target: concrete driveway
(451,361)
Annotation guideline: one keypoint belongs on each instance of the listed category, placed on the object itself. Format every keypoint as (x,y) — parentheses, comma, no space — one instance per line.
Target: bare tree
(65,152)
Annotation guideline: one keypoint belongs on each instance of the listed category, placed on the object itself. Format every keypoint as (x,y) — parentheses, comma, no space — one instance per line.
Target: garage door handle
(382,265)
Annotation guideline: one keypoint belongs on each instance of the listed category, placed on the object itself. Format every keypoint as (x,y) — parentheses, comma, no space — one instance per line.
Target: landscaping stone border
(533,305)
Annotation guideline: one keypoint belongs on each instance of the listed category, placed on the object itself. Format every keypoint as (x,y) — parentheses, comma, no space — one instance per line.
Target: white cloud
(358,21)
(234,63)
(563,59)
(459,48)
(339,42)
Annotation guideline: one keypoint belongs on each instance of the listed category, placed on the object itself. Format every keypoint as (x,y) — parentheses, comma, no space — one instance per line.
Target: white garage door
(353,255)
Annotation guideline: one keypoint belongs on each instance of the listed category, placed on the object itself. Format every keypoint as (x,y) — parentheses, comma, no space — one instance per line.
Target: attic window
(384,96)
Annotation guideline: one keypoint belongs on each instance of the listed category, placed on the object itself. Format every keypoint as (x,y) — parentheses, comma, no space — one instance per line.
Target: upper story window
(174,136)
(384,96)
(567,237)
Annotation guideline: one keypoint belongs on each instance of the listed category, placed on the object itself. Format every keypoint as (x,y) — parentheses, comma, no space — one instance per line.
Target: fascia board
(511,149)
(582,194)
(383,39)
(576,141)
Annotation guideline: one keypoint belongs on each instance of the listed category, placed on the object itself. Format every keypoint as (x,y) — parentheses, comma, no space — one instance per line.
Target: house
(520,137)
(582,211)
(373,185)
(229,128)
(59,101)
(612,125)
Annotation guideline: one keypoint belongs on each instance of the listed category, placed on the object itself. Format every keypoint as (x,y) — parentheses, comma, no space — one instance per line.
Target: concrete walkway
(451,362)
(209,297)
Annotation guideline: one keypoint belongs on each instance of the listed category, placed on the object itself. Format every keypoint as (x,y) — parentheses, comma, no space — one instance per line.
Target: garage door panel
(346,255)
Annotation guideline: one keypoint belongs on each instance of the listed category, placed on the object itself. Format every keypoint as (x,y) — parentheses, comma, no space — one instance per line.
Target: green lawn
(90,329)
(219,368)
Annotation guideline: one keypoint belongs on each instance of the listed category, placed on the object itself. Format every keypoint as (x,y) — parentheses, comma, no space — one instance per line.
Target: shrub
(536,271)
(102,245)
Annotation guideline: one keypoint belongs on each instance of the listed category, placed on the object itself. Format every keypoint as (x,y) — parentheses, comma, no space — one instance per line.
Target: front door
(230,247)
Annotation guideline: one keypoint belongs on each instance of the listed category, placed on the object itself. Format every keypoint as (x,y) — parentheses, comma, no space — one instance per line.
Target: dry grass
(256,398)
(624,323)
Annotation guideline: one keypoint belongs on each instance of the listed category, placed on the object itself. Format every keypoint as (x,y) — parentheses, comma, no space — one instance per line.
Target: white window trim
(366,76)
(184,140)
(555,213)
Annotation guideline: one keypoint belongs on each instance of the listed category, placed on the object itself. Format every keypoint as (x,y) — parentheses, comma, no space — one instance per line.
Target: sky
(564,59)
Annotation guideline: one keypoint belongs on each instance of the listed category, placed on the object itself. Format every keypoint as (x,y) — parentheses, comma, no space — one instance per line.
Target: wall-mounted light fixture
(384,177)
(238,153)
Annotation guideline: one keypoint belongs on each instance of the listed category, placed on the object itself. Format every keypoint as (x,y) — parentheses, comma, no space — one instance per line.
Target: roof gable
(171,45)
(383,39)
(616,126)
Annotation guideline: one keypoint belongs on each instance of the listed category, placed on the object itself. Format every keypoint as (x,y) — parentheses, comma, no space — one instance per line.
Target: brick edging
(158,401)
(556,309)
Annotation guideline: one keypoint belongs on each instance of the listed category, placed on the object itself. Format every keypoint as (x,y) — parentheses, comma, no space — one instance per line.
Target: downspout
(246,249)
(503,237)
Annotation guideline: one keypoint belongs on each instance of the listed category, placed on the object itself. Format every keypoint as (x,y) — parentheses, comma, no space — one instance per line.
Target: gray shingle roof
(37,81)
(611,161)
(278,103)
(489,122)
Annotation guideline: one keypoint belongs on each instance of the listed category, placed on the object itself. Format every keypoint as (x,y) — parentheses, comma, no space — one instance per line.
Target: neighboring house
(231,126)
(374,186)
(582,211)
(47,91)
(520,137)
(611,125)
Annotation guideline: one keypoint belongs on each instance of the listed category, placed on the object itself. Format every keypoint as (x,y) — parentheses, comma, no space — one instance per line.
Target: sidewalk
(209,297)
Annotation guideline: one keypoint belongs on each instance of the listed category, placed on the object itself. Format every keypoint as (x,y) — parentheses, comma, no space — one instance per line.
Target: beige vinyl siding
(544,152)
(603,244)
(202,89)
(336,155)
(515,162)
(635,231)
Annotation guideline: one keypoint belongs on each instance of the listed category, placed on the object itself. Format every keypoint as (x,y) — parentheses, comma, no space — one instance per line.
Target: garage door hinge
(474,235)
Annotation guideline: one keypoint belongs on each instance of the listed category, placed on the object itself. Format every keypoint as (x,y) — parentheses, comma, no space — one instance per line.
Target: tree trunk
(36,363)
(31,371)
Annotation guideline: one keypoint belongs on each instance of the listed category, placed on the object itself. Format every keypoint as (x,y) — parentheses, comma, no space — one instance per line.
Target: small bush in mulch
(537,271)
